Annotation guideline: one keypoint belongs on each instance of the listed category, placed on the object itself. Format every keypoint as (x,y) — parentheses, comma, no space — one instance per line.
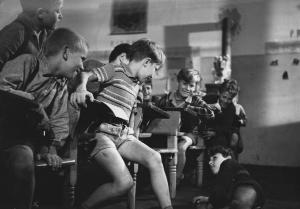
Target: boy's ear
(122,57)
(40,12)
(146,61)
(66,53)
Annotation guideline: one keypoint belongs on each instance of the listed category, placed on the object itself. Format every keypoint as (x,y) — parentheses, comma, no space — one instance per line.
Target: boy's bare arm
(81,94)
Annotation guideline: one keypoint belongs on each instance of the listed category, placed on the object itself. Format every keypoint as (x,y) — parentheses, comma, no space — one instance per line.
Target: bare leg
(182,147)
(141,153)
(111,161)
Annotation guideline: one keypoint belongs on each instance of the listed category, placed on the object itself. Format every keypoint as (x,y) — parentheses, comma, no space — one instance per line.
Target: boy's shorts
(110,136)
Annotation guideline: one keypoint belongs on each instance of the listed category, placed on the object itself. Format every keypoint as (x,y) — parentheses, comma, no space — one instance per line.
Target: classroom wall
(189,31)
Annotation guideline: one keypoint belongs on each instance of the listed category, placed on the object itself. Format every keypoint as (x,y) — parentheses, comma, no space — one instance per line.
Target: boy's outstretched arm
(81,94)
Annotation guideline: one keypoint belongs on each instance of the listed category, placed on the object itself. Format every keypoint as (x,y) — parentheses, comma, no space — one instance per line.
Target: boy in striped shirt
(113,139)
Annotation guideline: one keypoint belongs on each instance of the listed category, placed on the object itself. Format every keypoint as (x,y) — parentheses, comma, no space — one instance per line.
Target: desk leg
(199,168)
(172,144)
(132,192)
(172,174)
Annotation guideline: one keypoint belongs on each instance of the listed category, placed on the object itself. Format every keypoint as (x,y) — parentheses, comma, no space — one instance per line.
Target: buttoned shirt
(29,74)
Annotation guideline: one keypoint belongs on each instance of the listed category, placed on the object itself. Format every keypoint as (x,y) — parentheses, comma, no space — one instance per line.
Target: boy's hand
(51,157)
(200,199)
(79,98)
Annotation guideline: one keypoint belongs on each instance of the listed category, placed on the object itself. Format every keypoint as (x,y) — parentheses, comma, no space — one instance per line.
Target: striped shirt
(119,88)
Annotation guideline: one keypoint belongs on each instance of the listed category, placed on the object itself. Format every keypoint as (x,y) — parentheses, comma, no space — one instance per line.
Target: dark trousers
(17,177)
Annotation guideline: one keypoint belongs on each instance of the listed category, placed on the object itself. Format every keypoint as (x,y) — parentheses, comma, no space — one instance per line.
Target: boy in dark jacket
(27,34)
(233,188)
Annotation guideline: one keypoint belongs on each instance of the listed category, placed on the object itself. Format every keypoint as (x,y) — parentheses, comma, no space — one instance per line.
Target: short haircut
(231,86)
(64,37)
(119,49)
(92,63)
(33,5)
(148,81)
(225,151)
(189,75)
(144,48)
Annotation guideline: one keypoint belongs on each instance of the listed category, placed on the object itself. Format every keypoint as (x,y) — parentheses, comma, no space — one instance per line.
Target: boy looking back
(43,80)
(113,140)
(28,33)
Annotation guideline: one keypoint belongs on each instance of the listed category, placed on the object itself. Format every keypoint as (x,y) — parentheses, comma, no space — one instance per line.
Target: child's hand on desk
(79,98)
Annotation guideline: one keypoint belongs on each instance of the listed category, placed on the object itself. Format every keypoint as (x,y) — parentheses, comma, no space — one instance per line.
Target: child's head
(47,12)
(188,79)
(120,54)
(145,57)
(147,89)
(228,90)
(231,86)
(65,51)
(217,154)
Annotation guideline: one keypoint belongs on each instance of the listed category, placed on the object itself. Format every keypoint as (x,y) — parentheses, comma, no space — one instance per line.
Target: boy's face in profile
(52,15)
(215,162)
(72,63)
(147,69)
(186,89)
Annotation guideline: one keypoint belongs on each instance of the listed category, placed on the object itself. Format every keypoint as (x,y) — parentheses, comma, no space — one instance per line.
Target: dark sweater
(230,176)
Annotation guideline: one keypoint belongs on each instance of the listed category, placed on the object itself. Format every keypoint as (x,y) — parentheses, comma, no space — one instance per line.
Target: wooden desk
(168,128)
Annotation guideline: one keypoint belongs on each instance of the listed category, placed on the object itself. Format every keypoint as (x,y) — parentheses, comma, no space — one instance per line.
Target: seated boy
(234,187)
(239,121)
(27,34)
(147,92)
(113,139)
(43,80)
(184,97)
(222,129)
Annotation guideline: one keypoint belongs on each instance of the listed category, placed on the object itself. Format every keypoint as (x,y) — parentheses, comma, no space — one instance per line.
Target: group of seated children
(218,124)
(42,76)
(38,64)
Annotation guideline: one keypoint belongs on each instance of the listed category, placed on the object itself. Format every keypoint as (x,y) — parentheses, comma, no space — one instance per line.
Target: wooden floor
(281,186)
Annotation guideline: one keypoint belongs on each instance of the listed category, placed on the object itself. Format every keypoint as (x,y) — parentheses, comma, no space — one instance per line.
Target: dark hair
(231,86)
(225,151)
(189,75)
(144,48)
(33,5)
(119,49)
(64,37)
(92,63)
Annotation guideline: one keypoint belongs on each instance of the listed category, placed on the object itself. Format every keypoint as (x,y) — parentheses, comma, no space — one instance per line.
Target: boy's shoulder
(26,60)
(15,27)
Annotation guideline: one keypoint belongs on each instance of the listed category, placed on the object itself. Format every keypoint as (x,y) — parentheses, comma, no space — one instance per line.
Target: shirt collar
(26,20)
(129,74)
(44,68)
(173,100)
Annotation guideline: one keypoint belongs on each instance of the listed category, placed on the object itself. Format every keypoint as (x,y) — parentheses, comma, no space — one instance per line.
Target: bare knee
(153,161)
(21,160)
(182,148)
(123,184)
